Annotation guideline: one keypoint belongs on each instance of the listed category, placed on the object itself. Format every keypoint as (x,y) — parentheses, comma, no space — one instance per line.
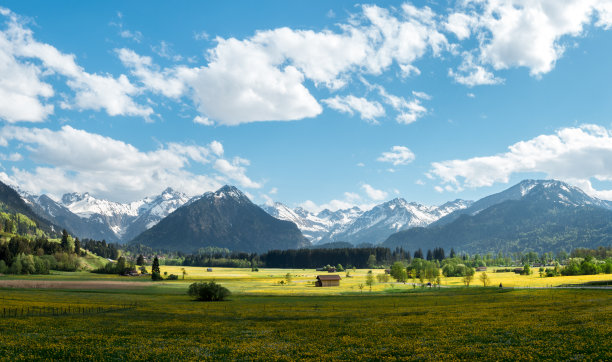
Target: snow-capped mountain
(90,217)
(153,209)
(356,226)
(533,215)
(315,227)
(551,189)
(225,218)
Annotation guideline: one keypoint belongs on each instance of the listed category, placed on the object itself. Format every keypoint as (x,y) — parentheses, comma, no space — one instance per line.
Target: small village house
(328,281)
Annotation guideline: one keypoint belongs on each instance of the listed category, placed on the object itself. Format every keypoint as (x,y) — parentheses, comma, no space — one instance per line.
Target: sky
(317,104)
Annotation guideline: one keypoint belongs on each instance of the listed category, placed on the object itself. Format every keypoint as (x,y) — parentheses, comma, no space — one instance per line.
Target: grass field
(266,281)
(447,323)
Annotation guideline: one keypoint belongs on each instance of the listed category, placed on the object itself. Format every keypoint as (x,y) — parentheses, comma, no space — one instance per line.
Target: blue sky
(319,103)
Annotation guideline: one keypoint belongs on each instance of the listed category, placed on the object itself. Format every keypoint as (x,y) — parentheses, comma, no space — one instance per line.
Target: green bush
(156,276)
(210,291)
(172,277)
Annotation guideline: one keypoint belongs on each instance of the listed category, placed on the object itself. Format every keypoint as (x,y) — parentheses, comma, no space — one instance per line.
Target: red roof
(329,277)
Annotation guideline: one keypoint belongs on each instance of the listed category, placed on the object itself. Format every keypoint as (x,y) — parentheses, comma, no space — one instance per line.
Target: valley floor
(84,316)
(440,324)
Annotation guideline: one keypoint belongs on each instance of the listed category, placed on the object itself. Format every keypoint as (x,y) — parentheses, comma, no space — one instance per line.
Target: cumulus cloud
(472,74)
(262,77)
(368,110)
(24,62)
(576,155)
(408,110)
(168,82)
(347,201)
(520,33)
(70,159)
(399,155)
(374,194)
(236,171)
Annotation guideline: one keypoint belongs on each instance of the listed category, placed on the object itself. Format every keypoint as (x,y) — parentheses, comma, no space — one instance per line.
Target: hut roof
(328,277)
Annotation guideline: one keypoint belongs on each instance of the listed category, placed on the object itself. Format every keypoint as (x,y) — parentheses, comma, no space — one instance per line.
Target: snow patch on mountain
(357,226)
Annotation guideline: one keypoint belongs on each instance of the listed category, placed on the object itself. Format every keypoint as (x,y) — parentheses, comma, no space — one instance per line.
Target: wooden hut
(328,280)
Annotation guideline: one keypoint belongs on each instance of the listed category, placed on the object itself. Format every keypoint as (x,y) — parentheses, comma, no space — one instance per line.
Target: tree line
(21,255)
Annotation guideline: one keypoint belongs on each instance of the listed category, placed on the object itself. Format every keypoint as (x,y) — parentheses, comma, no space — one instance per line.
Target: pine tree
(77,246)
(64,240)
(155,267)
(155,272)
(140,260)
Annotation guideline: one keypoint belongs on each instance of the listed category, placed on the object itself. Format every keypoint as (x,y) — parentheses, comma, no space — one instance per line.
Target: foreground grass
(433,324)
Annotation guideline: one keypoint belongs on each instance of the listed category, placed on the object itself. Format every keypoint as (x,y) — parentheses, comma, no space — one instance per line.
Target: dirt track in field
(58,284)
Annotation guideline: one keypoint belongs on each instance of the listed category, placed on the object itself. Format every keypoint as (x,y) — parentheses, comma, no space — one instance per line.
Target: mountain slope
(375,225)
(225,218)
(61,215)
(356,226)
(89,217)
(548,216)
(12,203)
(153,210)
(573,194)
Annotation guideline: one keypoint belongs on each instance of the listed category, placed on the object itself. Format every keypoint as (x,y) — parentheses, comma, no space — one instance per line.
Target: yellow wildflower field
(436,324)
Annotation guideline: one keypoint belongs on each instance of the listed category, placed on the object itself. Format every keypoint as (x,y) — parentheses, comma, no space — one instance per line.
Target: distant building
(328,281)
(481,268)
(209,269)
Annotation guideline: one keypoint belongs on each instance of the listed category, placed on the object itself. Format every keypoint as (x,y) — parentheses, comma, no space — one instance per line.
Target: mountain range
(225,218)
(540,215)
(534,215)
(12,203)
(357,226)
(89,217)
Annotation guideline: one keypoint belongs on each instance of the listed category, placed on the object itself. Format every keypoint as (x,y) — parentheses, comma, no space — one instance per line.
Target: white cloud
(91,91)
(75,160)
(13,157)
(399,155)
(368,110)
(236,171)
(21,87)
(261,78)
(164,50)
(460,24)
(521,33)
(471,74)
(217,148)
(374,194)
(169,82)
(575,155)
(360,164)
(409,111)
(128,34)
(202,35)
(203,120)
(349,200)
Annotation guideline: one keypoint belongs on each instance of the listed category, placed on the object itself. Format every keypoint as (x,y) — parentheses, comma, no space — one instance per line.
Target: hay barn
(328,281)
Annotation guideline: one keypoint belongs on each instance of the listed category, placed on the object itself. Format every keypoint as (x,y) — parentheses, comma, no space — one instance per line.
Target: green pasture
(437,324)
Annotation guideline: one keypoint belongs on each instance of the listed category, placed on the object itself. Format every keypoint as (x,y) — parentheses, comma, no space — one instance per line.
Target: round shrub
(209,291)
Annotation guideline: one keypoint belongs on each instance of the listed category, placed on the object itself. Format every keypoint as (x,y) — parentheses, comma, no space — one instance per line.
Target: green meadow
(101,317)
